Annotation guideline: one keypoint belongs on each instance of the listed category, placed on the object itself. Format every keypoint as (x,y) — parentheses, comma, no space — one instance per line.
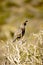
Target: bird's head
(25,23)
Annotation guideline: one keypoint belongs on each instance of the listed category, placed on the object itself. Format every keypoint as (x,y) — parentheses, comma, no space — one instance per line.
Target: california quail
(20,32)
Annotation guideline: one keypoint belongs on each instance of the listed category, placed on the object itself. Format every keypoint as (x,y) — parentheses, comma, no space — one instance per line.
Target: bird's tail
(14,39)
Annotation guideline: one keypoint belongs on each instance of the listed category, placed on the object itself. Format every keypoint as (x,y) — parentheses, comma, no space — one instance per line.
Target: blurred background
(14,12)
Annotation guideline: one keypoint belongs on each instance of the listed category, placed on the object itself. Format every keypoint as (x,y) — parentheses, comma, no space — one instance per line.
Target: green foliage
(2,0)
(11,4)
(2,20)
(1,9)
(28,14)
(27,1)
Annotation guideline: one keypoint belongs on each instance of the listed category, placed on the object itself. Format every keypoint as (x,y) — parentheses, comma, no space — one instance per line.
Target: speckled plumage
(20,32)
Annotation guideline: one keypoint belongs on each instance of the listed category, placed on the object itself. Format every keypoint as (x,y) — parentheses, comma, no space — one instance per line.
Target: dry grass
(29,52)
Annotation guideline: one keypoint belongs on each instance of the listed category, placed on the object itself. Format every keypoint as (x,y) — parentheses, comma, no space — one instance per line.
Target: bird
(20,32)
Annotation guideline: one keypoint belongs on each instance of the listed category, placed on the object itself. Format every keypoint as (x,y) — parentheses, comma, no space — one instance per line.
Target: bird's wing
(19,32)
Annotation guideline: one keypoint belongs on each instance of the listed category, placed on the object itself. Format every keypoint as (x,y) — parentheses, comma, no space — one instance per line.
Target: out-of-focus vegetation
(12,14)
